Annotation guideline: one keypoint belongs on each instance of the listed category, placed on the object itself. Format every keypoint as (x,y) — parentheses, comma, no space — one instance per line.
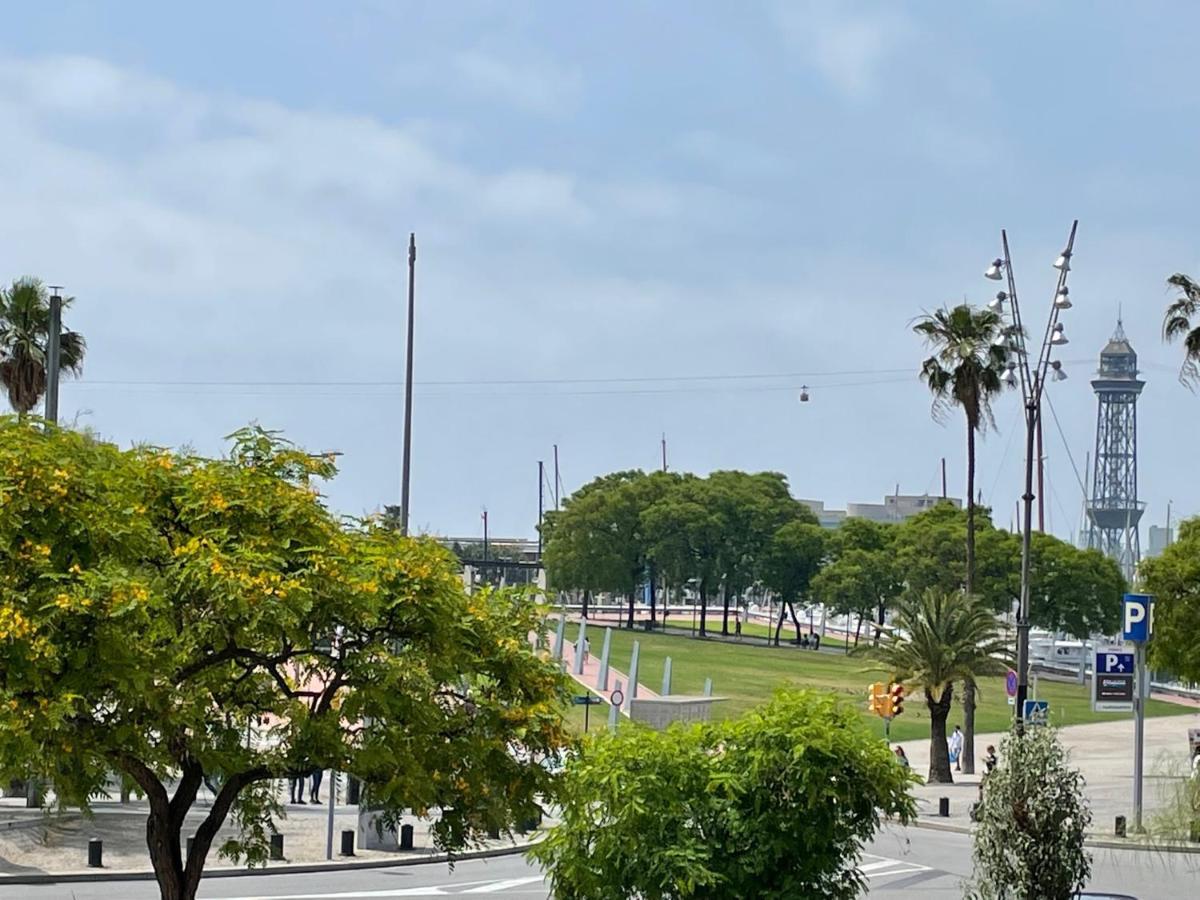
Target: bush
(1032,821)
(776,804)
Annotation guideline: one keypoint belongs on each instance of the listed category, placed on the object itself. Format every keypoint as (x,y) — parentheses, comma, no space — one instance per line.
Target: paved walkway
(589,678)
(1102,751)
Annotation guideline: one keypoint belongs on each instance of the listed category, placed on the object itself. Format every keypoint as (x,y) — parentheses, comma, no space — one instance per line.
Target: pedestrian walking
(296,782)
(989,761)
(956,744)
(587,649)
(315,793)
(901,756)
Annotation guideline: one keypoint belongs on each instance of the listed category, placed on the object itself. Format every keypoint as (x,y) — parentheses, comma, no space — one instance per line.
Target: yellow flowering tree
(153,605)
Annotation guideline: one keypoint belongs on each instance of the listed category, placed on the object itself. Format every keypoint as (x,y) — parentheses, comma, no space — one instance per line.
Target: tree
(776,804)
(684,535)
(1174,580)
(1032,823)
(790,563)
(1181,321)
(935,639)
(969,358)
(155,604)
(24,339)
(1073,590)
(861,576)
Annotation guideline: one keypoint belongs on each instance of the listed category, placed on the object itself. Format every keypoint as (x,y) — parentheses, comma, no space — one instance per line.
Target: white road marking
(503,885)
(882,867)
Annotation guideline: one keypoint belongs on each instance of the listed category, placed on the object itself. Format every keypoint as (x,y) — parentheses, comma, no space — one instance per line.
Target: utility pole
(541,503)
(664,451)
(556,478)
(485,535)
(943,478)
(408,386)
(53,354)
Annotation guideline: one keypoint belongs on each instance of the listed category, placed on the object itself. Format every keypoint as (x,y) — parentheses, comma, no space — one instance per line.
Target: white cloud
(531,85)
(847,43)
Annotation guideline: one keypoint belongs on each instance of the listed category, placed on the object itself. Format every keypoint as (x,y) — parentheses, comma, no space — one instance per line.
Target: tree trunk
(631,593)
(939,752)
(703,607)
(779,624)
(879,622)
(587,596)
(967,759)
(653,598)
(858,629)
(795,620)
(725,608)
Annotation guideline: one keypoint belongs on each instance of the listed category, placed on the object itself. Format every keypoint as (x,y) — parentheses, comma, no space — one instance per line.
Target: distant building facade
(894,508)
(1160,539)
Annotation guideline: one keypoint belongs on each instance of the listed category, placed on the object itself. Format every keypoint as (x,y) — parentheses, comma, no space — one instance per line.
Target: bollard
(348,842)
(944,807)
(277,846)
(406,837)
(493,833)
(1119,826)
(352,791)
(95,853)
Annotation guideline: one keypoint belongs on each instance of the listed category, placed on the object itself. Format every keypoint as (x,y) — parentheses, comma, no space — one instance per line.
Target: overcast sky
(633,219)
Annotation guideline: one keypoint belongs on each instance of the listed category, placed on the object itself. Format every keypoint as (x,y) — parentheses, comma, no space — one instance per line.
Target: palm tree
(24,336)
(1178,322)
(935,639)
(970,355)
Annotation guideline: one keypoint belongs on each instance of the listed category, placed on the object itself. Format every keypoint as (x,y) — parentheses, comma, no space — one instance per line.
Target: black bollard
(95,853)
(944,807)
(493,833)
(277,846)
(348,842)
(406,837)
(1119,826)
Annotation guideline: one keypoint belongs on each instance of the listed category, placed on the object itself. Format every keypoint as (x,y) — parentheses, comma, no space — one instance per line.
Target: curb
(1097,842)
(41,821)
(285,869)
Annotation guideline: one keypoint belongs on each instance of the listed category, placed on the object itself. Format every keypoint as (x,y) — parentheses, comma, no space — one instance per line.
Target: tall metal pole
(664,452)
(1031,412)
(1041,478)
(943,478)
(53,355)
(1139,730)
(408,385)
(541,502)
(485,537)
(556,479)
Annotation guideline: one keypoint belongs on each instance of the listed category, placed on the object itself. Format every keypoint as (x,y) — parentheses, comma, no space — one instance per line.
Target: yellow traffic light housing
(877,698)
(895,700)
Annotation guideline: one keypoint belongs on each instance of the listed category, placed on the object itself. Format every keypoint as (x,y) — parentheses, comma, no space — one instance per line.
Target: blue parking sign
(1137,618)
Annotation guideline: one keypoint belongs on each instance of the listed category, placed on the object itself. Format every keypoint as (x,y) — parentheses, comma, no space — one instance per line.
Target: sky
(633,219)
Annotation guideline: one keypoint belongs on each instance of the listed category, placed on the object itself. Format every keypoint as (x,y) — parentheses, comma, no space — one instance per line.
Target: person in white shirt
(955,743)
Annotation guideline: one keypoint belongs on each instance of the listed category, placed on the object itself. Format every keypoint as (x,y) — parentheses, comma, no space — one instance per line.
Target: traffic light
(895,699)
(877,696)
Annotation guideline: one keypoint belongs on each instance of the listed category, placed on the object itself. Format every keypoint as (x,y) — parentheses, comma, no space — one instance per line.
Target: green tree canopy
(154,604)
(1073,590)
(861,576)
(776,804)
(24,338)
(1174,580)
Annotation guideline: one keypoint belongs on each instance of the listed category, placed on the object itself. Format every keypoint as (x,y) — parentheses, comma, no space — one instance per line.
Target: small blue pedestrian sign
(1036,712)
(1137,619)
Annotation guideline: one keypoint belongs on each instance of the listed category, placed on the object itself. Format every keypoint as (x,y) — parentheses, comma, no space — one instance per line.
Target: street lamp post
(1031,371)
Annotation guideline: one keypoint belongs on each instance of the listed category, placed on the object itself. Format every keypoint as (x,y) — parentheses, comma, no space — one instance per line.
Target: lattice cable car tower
(1113,510)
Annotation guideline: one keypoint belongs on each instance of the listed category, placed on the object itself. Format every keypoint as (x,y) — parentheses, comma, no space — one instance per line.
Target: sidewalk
(1103,753)
(33,842)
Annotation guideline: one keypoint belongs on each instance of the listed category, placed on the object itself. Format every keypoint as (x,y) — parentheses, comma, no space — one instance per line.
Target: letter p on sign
(1138,619)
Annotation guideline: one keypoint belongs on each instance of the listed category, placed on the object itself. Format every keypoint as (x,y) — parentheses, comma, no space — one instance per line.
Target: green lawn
(747,674)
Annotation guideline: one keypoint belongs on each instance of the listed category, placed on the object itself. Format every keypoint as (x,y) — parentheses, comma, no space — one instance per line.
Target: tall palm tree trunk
(939,752)
(967,758)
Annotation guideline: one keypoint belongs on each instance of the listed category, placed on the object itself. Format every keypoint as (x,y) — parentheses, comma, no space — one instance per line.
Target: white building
(894,508)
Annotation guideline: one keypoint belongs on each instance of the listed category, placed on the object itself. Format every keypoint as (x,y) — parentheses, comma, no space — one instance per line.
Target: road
(900,865)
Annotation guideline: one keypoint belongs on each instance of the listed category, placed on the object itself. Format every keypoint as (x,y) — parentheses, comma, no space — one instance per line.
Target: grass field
(748,674)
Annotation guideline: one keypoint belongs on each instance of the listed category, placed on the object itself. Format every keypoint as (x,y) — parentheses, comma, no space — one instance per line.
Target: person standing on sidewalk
(956,744)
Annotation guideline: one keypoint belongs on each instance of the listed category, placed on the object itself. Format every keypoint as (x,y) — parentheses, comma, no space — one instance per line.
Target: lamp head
(1056,371)
(993,271)
(1063,263)
(1057,338)
(1062,299)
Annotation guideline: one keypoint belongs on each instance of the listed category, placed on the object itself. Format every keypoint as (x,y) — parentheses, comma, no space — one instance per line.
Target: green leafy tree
(789,564)
(776,804)
(1174,580)
(860,576)
(684,534)
(1073,590)
(24,338)
(935,639)
(969,358)
(154,604)
(1182,320)
(1032,823)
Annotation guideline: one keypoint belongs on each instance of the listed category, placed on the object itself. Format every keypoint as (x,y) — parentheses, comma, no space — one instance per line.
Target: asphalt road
(900,865)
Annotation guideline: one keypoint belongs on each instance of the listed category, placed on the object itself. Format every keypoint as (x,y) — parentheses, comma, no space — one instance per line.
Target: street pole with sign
(1137,627)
